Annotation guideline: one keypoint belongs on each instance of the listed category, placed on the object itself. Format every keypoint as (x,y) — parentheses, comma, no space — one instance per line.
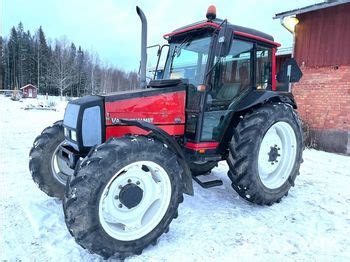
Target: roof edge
(28,85)
(310,8)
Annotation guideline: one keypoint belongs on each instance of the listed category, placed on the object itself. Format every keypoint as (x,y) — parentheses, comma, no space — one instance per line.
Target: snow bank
(49,103)
(312,223)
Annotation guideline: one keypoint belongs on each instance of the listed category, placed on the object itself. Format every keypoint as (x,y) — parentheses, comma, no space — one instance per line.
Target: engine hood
(161,106)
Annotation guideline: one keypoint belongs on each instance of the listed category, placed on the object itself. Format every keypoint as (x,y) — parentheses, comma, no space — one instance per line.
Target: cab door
(231,80)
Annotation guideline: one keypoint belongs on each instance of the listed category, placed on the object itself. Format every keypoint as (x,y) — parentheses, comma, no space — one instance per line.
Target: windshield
(188,59)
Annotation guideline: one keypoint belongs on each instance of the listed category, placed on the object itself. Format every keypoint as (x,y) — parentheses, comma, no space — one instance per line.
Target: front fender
(164,137)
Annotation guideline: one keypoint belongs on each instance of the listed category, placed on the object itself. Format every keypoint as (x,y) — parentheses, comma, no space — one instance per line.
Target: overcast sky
(112,28)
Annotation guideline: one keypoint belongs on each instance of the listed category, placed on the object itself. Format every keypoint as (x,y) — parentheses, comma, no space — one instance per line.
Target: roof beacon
(211,12)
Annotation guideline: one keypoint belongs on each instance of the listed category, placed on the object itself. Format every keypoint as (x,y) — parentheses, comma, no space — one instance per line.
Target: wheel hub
(277,155)
(274,154)
(130,195)
(59,168)
(135,200)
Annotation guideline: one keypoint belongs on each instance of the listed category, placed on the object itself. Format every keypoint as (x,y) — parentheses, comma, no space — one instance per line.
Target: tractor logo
(116,121)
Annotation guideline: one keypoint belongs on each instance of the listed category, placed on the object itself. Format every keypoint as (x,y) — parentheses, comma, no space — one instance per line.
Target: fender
(261,97)
(252,99)
(164,137)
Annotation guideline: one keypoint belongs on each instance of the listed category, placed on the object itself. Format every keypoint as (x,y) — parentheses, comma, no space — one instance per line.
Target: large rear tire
(265,153)
(48,171)
(123,196)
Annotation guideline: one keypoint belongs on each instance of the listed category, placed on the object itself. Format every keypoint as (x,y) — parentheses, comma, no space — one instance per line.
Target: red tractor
(121,162)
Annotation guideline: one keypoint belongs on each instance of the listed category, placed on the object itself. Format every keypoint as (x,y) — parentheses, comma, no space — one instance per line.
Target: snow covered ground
(312,223)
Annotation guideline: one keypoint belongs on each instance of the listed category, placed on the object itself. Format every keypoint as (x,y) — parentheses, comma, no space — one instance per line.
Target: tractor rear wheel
(49,171)
(123,196)
(265,153)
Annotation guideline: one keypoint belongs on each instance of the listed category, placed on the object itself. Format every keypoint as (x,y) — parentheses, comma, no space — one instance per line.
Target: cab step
(207,184)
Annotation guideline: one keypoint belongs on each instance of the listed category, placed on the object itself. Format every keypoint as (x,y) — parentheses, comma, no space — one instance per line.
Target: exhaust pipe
(143,47)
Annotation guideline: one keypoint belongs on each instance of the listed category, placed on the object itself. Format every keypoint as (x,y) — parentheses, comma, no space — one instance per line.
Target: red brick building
(322,50)
(29,91)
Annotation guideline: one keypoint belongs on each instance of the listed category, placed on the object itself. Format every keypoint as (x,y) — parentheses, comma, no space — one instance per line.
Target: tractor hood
(162,105)
(91,120)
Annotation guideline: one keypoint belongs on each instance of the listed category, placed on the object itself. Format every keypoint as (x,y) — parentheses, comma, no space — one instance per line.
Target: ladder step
(208,184)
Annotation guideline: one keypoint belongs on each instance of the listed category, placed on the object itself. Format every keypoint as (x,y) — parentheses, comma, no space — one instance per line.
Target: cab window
(263,67)
(233,73)
(188,60)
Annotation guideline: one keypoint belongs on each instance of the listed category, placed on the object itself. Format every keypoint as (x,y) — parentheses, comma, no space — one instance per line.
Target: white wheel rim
(60,169)
(126,224)
(277,155)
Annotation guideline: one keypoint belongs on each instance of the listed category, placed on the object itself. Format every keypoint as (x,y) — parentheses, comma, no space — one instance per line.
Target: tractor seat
(231,89)
(228,91)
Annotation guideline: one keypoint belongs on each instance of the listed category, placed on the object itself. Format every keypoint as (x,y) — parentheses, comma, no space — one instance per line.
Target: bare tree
(58,67)
(63,67)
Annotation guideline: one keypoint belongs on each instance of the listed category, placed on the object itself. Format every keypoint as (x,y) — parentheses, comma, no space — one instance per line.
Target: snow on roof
(29,85)
(284,51)
(311,8)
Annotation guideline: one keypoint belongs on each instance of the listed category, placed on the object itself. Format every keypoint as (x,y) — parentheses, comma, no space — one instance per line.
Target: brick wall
(323,98)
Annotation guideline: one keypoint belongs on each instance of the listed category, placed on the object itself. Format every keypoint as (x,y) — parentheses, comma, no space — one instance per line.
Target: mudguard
(252,99)
(164,137)
(261,97)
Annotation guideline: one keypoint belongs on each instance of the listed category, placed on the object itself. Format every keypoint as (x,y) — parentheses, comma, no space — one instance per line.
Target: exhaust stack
(143,47)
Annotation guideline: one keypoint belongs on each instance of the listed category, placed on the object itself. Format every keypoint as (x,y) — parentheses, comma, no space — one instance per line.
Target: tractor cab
(222,66)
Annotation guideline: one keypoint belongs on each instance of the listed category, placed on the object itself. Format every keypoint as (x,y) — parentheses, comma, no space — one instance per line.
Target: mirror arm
(160,50)
(213,66)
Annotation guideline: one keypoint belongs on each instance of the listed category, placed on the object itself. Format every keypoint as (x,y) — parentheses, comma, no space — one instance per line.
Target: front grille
(84,123)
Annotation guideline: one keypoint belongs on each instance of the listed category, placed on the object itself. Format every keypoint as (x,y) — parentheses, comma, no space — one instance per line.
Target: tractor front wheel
(266,153)
(48,170)
(123,196)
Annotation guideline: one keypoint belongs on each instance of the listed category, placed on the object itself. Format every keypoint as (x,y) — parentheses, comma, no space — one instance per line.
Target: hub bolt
(129,180)
(120,205)
(120,186)
(137,182)
(116,197)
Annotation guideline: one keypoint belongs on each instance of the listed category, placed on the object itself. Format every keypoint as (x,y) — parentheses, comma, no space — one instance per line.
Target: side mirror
(224,41)
(290,72)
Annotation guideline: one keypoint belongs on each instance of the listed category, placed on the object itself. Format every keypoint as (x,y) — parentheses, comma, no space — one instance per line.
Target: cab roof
(215,23)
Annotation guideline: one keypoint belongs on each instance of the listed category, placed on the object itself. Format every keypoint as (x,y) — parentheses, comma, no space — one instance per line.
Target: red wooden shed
(321,49)
(29,91)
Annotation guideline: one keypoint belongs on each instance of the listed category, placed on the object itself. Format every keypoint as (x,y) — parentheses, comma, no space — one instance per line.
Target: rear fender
(261,97)
(253,99)
(164,137)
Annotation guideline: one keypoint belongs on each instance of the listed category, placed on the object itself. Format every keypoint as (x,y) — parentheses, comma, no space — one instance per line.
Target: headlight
(73,135)
(66,132)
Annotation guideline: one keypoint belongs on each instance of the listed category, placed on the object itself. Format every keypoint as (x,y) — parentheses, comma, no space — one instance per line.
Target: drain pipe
(143,47)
